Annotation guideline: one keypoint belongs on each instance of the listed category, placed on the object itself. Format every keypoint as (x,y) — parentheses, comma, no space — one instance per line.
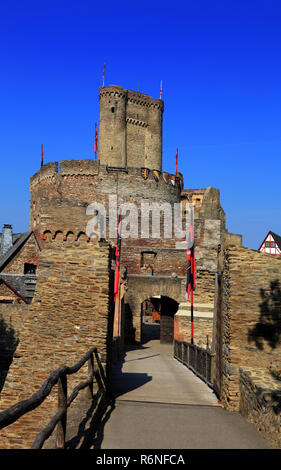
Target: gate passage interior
(158,318)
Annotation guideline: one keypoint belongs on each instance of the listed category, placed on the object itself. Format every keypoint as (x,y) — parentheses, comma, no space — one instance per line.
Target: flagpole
(42,155)
(96,141)
(118,258)
(190,283)
(191,303)
(103,73)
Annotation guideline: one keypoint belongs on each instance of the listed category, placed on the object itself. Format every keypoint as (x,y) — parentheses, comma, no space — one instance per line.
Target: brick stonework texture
(11,321)
(70,313)
(60,195)
(202,330)
(250,287)
(260,402)
(130,128)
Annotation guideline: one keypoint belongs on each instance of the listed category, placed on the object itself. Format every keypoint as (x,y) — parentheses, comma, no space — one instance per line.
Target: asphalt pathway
(160,404)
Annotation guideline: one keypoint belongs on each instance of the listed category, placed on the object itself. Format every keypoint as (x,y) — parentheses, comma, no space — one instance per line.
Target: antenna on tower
(161,90)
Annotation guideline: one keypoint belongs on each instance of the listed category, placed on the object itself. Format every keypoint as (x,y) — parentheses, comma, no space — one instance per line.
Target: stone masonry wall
(248,316)
(70,313)
(11,322)
(202,330)
(130,128)
(61,193)
(203,312)
(260,398)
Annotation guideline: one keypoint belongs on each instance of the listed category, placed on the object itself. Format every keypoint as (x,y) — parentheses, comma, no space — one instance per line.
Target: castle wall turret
(112,126)
(130,129)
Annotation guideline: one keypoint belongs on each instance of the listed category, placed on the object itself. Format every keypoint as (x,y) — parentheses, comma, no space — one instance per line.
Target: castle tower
(130,129)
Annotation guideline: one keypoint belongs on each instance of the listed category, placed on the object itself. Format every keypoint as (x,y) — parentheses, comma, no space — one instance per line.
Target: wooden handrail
(59,376)
(194,365)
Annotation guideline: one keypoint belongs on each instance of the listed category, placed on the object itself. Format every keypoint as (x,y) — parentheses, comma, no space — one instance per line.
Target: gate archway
(140,288)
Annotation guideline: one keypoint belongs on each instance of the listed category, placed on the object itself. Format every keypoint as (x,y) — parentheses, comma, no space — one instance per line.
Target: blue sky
(221,71)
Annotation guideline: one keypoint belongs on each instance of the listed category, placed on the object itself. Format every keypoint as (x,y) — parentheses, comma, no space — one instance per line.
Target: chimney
(6,239)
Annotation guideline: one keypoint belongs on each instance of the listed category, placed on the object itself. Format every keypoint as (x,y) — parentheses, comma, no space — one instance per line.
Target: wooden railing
(199,360)
(59,376)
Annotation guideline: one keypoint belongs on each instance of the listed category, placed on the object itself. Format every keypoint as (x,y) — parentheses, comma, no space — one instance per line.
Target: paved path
(160,404)
(150,374)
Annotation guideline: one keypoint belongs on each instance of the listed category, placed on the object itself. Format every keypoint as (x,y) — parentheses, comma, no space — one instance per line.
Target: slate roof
(23,284)
(20,239)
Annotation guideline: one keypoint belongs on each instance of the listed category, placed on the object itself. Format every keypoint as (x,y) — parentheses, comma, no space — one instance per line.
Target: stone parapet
(246,318)
(202,326)
(260,402)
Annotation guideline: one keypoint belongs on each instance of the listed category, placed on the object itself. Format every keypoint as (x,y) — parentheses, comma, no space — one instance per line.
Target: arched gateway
(170,290)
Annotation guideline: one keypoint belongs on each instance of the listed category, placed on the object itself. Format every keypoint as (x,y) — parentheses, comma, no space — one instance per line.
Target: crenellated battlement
(112,91)
(79,167)
(115,91)
(92,168)
(47,171)
(52,170)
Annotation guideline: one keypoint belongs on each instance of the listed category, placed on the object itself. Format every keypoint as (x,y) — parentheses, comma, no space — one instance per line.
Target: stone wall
(70,313)
(61,193)
(84,182)
(260,402)
(202,326)
(11,322)
(247,317)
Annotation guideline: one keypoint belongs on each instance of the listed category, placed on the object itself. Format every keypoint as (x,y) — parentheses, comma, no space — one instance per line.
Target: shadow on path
(122,382)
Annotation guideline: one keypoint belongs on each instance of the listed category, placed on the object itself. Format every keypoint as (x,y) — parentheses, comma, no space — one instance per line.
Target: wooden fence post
(62,401)
(91,375)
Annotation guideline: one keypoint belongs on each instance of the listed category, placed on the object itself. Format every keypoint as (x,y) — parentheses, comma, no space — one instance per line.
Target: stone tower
(130,129)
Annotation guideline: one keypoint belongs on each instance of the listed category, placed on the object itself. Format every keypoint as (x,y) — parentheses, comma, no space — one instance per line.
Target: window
(149,271)
(29,268)
(272,244)
(267,244)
